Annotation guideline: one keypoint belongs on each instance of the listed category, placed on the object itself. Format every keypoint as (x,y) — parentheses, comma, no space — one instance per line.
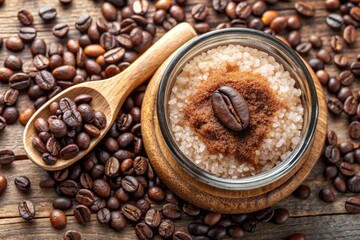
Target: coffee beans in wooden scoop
(66,128)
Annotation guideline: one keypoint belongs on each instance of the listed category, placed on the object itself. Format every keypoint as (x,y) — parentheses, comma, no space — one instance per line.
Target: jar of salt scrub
(234,121)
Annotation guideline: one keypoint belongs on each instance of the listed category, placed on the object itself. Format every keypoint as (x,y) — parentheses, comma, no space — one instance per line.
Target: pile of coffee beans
(69,129)
(341,158)
(115,180)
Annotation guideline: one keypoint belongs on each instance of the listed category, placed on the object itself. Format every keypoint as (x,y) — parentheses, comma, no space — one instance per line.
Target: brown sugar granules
(262,104)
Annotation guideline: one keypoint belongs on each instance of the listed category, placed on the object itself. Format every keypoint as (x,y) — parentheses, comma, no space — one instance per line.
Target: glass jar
(284,55)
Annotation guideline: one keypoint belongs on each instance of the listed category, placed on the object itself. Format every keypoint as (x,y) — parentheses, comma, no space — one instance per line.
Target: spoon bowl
(109,95)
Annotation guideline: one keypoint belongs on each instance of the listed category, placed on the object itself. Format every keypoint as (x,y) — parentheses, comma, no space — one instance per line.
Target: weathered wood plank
(43,198)
(315,228)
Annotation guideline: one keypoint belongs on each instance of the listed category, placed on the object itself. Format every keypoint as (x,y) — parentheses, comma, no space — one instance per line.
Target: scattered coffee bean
(71,234)
(352,205)
(47,13)
(25,17)
(58,219)
(302,192)
(327,195)
(306,9)
(26,210)
(3,184)
(22,183)
(281,215)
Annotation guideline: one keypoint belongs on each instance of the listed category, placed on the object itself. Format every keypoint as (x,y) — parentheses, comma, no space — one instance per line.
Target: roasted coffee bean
(38,46)
(349,157)
(45,80)
(25,17)
(302,192)
(22,183)
(316,41)
(230,10)
(102,188)
(58,219)
(334,20)
(269,16)
(197,228)
(85,197)
(98,204)
(332,154)
(129,184)
(180,235)
(355,68)
(62,203)
(354,184)
(256,23)
(348,20)
(354,129)
(6,157)
(13,62)
(199,12)
(68,187)
(140,7)
(316,64)
(65,72)
(339,184)
(159,17)
(143,232)
(352,205)
(324,55)
(303,48)
(220,5)
(332,5)
(47,13)
(281,215)
(48,159)
(350,105)
(41,125)
(38,145)
(258,8)
(82,214)
(166,228)
(163,5)
(10,114)
(109,11)
(346,77)
(327,195)
(349,34)
(86,181)
(5,74)
(112,167)
(337,43)
(296,236)
(347,169)
(330,172)
(55,48)
(71,234)
(91,130)
(306,9)
(26,210)
(346,146)
(113,203)
(331,137)
(355,13)
(118,221)
(61,175)
(83,98)
(212,218)
(14,44)
(10,97)
(144,205)
(178,13)
(294,38)
(132,212)
(334,85)
(104,216)
(341,61)
(171,211)
(83,23)
(217,232)
(230,108)
(335,106)
(265,215)
(156,193)
(293,22)
(70,151)
(140,165)
(99,120)
(3,184)
(279,24)
(60,30)
(243,10)
(202,27)
(19,81)
(27,34)
(41,62)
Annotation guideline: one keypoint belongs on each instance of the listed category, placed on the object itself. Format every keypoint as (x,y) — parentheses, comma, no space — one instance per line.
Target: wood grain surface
(314,218)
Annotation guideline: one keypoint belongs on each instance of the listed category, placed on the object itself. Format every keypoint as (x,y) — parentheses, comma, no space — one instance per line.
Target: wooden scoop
(109,95)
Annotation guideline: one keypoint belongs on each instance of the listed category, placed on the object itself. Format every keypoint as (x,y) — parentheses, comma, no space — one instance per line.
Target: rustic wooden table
(312,217)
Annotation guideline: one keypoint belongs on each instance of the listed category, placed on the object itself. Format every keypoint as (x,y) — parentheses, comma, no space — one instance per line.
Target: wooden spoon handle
(146,65)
